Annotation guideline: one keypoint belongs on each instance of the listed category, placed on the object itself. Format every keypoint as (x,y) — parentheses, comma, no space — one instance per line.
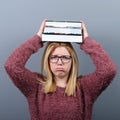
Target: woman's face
(60,62)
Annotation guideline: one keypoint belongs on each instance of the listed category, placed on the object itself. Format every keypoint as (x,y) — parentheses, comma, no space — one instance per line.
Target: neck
(61,81)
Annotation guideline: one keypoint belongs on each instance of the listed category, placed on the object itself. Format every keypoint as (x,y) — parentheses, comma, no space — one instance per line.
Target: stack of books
(62,31)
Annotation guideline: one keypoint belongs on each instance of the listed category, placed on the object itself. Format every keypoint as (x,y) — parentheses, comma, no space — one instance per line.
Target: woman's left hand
(84,30)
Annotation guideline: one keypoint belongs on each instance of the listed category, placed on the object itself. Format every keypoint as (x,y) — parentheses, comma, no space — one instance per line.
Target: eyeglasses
(55,58)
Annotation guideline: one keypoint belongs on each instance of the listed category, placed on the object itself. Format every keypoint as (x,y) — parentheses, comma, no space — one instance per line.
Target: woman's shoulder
(40,79)
(81,80)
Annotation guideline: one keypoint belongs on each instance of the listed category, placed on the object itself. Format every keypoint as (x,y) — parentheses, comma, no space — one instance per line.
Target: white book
(62,38)
(63,23)
(62,31)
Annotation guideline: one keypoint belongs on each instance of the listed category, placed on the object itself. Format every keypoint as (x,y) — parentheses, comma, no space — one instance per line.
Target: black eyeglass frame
(64,58)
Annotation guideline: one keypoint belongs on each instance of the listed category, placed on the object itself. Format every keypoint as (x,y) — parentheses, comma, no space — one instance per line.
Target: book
(63,23)
(62,31)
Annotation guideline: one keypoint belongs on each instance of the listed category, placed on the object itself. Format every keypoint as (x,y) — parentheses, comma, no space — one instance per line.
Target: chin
(60,75)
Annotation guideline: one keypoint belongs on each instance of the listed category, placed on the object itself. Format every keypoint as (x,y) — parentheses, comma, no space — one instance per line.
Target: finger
(42,26)
(84,30)
(83,25)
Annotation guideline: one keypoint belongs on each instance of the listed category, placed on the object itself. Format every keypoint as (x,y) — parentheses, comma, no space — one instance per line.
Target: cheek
(69,67)
(52,67)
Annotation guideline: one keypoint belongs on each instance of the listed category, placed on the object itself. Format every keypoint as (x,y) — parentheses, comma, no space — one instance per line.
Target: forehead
(60,51)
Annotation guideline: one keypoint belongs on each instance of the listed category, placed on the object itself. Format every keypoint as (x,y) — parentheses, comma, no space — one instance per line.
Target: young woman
(58,93)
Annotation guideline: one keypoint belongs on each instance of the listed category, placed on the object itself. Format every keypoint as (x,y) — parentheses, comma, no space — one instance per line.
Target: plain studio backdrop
(21,19)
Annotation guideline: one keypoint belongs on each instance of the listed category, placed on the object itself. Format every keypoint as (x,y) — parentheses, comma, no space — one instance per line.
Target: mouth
(59,69)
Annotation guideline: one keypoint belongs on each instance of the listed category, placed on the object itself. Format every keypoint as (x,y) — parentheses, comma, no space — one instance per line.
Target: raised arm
(23,78)
(94,83)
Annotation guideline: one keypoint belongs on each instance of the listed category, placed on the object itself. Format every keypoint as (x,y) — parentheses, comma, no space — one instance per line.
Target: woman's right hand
(41,28)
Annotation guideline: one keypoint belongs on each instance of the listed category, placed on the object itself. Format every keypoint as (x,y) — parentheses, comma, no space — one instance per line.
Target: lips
(59,69)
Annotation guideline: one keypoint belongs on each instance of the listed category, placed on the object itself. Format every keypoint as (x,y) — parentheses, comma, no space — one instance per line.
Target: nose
(60,61)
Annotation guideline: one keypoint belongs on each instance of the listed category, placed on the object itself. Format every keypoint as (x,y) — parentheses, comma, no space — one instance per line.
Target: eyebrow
(61,55)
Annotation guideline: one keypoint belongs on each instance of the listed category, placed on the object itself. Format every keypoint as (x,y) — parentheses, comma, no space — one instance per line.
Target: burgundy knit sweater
(57,106)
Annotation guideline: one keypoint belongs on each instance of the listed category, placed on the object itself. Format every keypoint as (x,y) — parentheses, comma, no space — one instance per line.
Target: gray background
(20,20)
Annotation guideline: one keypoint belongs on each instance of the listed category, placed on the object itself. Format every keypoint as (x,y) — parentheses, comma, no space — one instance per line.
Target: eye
(66,57)
(53,57)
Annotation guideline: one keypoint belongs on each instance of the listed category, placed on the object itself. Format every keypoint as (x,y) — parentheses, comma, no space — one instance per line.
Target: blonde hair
(48,83)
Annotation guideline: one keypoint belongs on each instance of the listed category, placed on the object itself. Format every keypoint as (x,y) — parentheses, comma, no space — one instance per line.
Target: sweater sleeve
(94,83)
(23,78)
